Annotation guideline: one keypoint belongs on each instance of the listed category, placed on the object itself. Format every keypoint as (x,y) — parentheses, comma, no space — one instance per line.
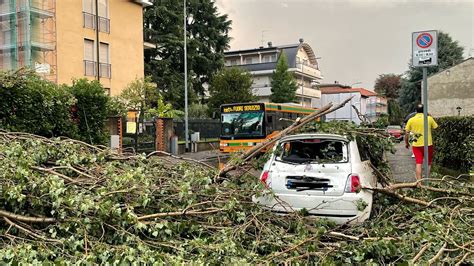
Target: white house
(261,63)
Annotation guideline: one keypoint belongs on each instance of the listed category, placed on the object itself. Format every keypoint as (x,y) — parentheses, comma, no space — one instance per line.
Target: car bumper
(340,209)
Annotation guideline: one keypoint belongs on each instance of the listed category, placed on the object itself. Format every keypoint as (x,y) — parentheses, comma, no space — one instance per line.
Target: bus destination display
(242,108)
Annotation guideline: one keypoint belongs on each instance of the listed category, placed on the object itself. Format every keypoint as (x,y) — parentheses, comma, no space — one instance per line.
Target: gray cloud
(357,40)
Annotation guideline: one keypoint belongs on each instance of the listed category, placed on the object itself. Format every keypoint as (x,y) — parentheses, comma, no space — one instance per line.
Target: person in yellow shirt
(415,126)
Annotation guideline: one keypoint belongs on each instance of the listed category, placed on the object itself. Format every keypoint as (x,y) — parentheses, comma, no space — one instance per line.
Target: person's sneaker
(412,155)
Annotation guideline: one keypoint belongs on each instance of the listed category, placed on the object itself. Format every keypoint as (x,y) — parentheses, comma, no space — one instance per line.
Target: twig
(438,255)
(29,232)
(46,170)
(292,248)
(420,253)
(400,196)
(463,258)
(180,158)
(431,202)
(344,236)
(181,213)
(26,219)
(75,170)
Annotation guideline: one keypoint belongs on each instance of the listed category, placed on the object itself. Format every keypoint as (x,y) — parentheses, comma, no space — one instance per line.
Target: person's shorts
(419,153)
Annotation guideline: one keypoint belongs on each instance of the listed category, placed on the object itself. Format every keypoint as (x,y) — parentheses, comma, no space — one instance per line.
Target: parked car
(321,173)
(395,131)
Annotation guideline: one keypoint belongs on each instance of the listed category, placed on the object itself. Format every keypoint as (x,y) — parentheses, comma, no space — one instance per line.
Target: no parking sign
(425,48)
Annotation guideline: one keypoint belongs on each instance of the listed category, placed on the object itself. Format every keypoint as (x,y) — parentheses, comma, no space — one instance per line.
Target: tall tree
(450,53)
(231,85)
(389,85)
(283,83)
(207,33)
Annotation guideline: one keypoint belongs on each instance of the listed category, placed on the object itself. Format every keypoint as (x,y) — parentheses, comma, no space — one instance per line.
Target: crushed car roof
(314,135)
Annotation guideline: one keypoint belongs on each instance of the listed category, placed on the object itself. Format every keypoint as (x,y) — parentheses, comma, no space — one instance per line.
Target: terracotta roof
(333,90)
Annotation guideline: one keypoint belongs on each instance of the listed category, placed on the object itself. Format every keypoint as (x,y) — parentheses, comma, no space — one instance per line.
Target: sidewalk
(403,166)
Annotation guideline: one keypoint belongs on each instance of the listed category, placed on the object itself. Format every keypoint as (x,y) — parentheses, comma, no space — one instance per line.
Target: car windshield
(394,127)
(245,123)
(313,150)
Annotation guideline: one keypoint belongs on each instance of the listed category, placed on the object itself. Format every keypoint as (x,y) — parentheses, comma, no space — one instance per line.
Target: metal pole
(425,122)
(97,38)
(186,125)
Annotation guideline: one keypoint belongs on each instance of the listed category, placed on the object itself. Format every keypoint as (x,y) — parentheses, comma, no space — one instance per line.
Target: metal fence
(139,136)
(207,128)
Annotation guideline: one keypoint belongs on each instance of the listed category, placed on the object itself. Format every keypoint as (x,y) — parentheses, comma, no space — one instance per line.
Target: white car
(321,173)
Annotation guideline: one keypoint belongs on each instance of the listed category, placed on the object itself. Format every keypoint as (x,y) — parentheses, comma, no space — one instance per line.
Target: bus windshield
(242,124)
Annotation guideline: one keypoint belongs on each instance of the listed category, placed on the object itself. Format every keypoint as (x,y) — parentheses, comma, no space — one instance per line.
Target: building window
(89,58)
(104,56)
(90,61)
(250,60)
(269,58)
(88,11)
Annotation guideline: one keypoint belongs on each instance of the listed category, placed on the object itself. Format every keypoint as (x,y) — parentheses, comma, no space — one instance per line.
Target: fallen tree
(63,201)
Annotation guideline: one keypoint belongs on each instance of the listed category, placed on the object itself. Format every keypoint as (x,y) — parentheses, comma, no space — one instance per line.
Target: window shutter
(89,50)
(104,53)
(103,8)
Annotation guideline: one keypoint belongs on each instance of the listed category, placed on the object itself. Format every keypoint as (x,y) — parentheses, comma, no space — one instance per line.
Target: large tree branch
(26,219)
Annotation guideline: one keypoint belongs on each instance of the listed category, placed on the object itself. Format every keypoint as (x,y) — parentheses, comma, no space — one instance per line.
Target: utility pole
(186,124)
(97,42)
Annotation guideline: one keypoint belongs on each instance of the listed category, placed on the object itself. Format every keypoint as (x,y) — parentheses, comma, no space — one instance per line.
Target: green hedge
(454,142)
(34,105)
(31,104)
(91,110)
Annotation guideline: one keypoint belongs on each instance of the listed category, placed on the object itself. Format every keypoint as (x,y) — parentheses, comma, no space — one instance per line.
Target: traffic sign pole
(425,122)
(425,54)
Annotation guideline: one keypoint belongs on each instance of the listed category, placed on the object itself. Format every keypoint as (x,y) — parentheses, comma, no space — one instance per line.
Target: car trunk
(311,167)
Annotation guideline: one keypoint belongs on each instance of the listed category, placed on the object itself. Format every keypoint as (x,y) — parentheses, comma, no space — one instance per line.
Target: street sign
(425,48)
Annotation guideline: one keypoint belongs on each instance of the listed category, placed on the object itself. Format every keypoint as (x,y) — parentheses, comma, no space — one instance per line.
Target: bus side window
(269,125)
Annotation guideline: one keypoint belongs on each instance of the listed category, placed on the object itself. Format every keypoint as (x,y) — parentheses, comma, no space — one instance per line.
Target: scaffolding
(28,36)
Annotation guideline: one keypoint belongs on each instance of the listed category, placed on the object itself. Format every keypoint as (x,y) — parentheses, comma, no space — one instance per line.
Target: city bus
(244,125)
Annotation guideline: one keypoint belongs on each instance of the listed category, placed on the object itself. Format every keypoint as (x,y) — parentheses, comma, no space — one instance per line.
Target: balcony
(310,70)
(89,21)
(90,69)
(308,92)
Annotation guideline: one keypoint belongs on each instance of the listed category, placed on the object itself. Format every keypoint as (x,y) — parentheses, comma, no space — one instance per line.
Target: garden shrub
(454,142)
(91,110)
(31,104)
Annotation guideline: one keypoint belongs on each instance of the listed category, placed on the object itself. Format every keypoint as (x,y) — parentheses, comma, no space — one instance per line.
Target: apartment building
(261,63)
(368,103)
(64,40)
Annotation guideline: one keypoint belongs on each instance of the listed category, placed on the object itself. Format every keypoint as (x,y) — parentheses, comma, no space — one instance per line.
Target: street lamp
(186,125)
(459,108)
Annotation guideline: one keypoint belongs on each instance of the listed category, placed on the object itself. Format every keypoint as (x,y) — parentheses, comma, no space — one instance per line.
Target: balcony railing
(105,70)
(90,69)
(89,22)
(308,69)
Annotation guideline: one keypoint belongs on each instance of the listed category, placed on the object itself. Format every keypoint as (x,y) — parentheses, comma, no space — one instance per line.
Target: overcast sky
(356,40)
